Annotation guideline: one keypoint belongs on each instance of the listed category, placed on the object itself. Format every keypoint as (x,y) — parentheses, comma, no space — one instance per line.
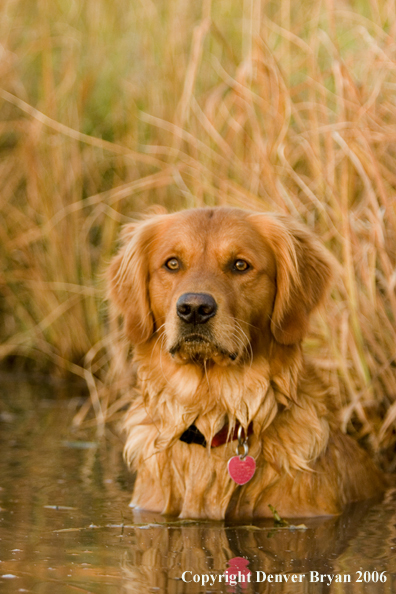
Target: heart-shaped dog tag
(241,470)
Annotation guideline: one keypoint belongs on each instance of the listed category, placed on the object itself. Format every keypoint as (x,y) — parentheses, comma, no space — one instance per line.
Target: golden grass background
(109,108)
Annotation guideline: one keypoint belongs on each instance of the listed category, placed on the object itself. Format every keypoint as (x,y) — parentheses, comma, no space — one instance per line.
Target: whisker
(246,345)
(152,353)
(162,369)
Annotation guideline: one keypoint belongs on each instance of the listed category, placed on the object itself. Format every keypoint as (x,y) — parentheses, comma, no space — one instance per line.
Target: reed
(110,108)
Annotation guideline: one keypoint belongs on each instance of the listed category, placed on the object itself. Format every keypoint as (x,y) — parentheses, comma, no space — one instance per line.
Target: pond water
(65,524)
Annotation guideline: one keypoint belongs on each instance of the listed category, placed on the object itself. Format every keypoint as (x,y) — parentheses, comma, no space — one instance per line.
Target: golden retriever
(216,302)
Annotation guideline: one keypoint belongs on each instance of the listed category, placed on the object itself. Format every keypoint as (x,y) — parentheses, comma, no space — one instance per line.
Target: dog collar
(193,435)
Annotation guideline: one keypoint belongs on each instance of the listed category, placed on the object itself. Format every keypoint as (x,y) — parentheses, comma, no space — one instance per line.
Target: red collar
(193,435)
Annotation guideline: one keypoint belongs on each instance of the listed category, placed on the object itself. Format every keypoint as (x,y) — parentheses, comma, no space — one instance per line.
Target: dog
(216,302)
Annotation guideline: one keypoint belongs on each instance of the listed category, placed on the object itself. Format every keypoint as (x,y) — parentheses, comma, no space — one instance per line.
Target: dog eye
(241,266)
(172,264)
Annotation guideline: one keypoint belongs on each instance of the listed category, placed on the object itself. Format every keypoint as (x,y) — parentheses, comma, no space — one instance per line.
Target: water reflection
(65,524)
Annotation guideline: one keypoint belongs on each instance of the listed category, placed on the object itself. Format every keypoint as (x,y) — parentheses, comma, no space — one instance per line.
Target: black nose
(196,308)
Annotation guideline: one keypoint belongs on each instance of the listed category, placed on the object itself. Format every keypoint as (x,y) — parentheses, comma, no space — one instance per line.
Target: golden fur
(245,365)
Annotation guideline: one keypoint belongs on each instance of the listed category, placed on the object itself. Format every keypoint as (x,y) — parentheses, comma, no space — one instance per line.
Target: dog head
(217,283)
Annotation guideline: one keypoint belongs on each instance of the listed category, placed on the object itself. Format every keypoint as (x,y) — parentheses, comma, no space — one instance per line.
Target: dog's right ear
(128,278)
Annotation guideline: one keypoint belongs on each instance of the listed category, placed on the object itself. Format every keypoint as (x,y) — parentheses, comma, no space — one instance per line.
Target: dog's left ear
(303,275)
(128,278)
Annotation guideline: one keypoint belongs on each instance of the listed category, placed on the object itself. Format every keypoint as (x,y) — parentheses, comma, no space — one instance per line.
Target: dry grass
(108,108)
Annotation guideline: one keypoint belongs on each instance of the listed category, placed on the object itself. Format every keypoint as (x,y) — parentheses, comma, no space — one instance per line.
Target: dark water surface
(65,524)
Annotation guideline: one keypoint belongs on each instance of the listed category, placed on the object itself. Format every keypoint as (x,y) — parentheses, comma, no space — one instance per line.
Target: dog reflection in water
(158,556)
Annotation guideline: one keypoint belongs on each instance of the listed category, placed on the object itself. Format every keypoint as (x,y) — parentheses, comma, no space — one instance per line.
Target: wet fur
(247,367)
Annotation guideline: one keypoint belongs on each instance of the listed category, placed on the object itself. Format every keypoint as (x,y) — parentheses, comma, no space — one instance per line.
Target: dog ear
(303,275)
(128,278)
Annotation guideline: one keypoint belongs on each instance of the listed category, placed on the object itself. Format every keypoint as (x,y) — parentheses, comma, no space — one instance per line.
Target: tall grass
(108,108)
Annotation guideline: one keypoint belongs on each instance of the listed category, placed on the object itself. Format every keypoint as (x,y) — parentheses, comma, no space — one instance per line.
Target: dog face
(217,284)
(212,281)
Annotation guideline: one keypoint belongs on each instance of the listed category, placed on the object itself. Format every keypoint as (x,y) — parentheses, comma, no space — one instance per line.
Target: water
(65,524)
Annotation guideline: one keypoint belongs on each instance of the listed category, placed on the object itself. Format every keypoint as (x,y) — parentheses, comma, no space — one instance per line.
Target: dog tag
(241,470)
